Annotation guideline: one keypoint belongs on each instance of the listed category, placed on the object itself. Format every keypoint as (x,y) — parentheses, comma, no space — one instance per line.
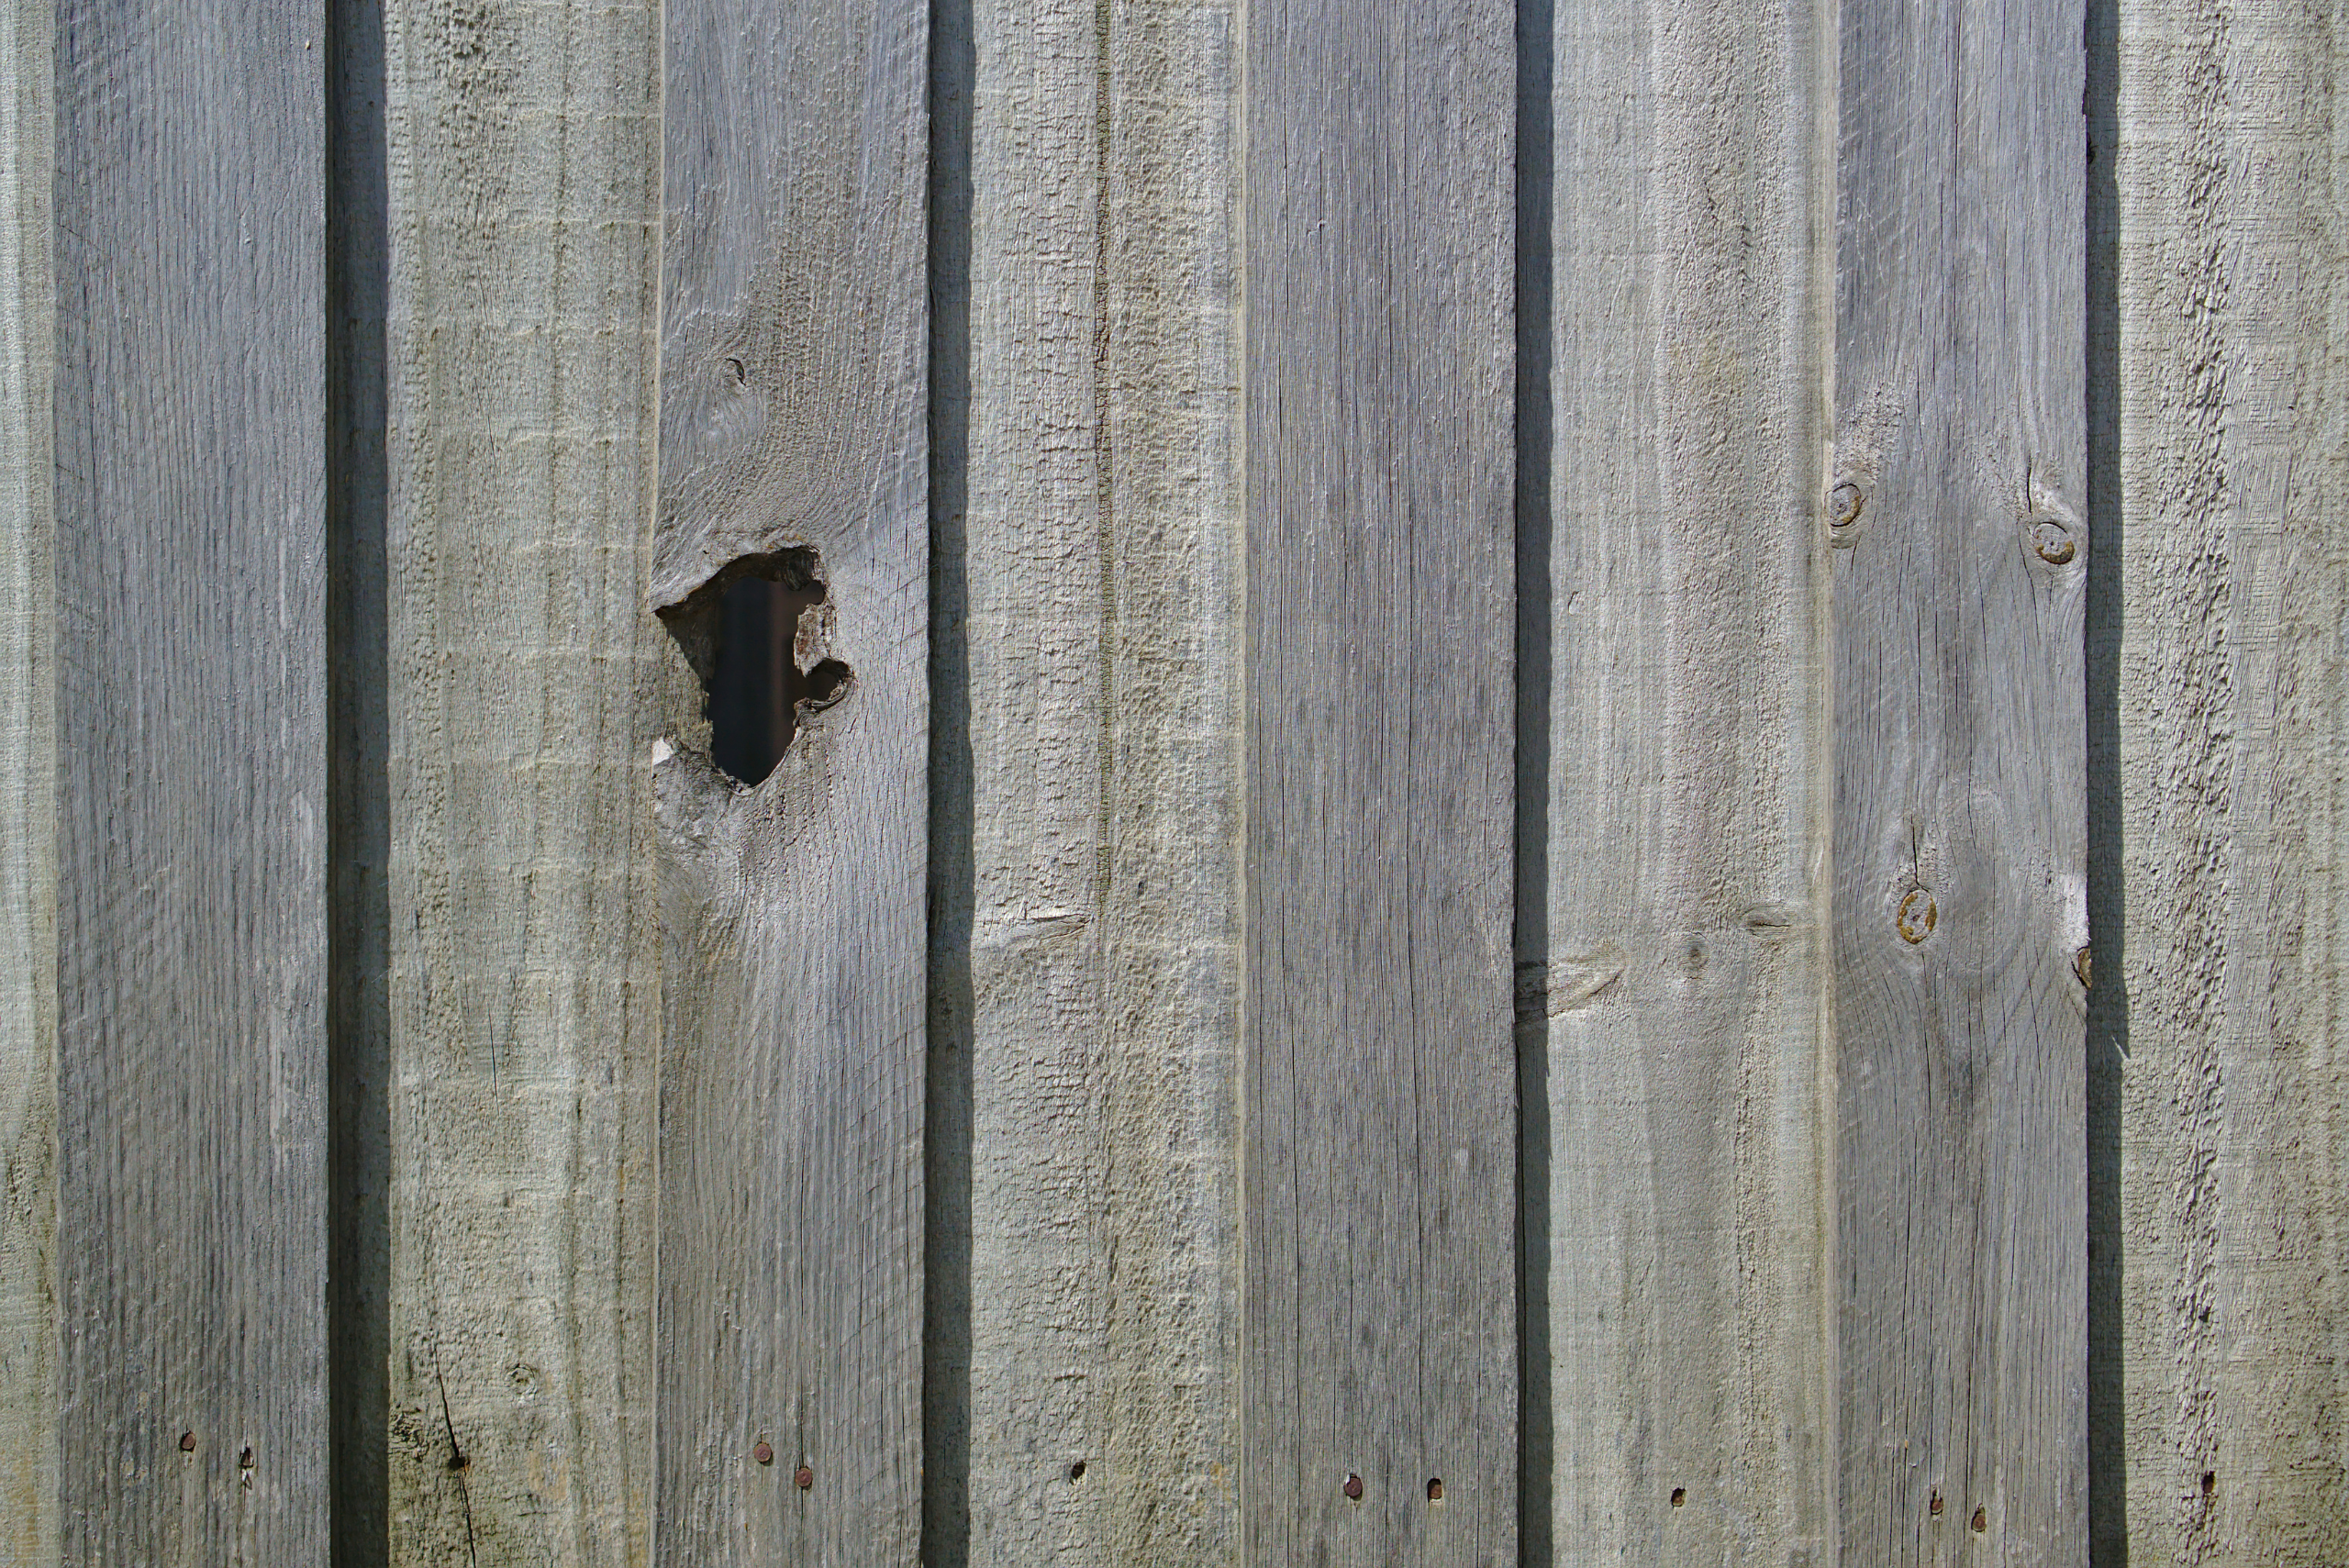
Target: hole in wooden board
(1680,1497)
(1076,1471)
(1435,1490)
(747,632)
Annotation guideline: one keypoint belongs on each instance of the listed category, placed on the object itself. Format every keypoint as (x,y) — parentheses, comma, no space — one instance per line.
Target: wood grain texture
(191,676)
(1379,1152)
(2234,733)
(523,960)
(793,419)
(1102,563)
(1959,851)
(1683,994)
(28,1325)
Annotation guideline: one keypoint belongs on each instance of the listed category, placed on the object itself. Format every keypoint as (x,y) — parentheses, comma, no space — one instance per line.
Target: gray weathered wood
(793,420)
(2233,444)
(523,960)
(1683,990)
(1379,1154)
(1100,707)
(191,676)
(1959,838)
(28,1326)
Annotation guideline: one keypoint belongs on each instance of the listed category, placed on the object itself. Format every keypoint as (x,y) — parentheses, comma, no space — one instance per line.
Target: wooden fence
(1557,783)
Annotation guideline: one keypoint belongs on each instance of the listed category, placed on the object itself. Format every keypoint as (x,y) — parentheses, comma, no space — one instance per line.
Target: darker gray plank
(793,427)
(191,729)
(1379,1069)
(1960,825)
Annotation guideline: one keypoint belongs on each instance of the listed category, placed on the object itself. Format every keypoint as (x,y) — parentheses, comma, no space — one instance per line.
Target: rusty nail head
(187,1442)
(806,1478)
(764,1452)
(1981,1520)
(1353,1488)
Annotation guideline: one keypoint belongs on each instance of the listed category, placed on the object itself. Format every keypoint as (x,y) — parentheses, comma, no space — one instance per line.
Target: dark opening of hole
(1076,1471)
(748,632)
(1680,1497)
(2210,1482)
(1435,1491)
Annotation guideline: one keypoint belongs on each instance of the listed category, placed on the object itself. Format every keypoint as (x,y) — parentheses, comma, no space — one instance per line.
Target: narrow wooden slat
(28,1326)
(1959,838)
(522,980)
(1099,703)
(2233,471)
(1379,1152)
(191,675)
(793,420)
(1681,995)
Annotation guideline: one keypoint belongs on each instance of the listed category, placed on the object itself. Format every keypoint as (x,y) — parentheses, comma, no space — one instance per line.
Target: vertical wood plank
(523,190)
(2234,733)
(190,740)
(28,1326)
(1102,563)
(793,420)
(1959,839)
(1682,995)
(1379,1070)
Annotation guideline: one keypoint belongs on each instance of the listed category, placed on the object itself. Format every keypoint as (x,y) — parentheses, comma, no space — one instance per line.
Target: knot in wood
(1917,916)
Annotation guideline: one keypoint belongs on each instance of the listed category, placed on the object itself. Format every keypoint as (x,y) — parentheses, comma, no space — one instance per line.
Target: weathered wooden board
(792,438)
(1379,1151)
(522,969)
(1088,958)
(28,1337)
(1681,993)
(191,739)
(1959,906)
(2233,449)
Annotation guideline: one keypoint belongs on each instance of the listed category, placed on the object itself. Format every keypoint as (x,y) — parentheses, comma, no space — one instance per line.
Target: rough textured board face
(1087,961)
(792,1081)
(28,1327)
(1379,1152)
(523,975)
(1679,1000)
(1959,837)
(191,781)
(2234,1244)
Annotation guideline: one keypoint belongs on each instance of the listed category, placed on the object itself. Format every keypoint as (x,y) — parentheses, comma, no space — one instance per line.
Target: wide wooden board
(2231,300)
(521,984)
(1087,956)
(1959,909)
(793,345)
(1674,998)
(1379,1156)
(191,746)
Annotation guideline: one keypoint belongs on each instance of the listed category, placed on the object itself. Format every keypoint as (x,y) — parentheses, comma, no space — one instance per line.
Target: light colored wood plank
(793,413)
(1960,817)
(2234,743)
(523,960)
(191,676)
(28,1325)
(1098,700)
(1379,1152)
(1682,990)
